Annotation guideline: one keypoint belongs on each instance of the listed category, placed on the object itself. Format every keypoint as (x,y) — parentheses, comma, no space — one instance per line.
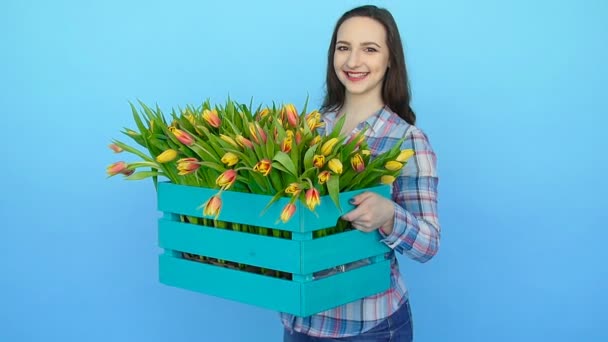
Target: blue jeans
(395,328)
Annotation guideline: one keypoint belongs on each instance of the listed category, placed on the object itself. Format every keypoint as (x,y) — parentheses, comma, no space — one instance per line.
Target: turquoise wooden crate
(302,256)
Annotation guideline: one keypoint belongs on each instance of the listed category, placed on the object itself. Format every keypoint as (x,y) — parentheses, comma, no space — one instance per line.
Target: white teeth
(357,74)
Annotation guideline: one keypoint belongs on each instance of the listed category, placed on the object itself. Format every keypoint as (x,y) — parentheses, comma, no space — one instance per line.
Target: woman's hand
(372,212)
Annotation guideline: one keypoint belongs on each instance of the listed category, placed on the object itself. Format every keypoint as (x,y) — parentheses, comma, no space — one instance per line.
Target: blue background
(511,94)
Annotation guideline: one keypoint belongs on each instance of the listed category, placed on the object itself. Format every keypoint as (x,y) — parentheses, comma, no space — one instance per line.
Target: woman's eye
(342,48)
(370,49)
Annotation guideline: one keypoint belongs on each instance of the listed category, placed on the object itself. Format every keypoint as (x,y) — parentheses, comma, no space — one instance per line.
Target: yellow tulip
(393,165)
(404,155)
(226,179)
(166,156)
(293,189)
(357,163)
(230,159)
(328,146)
(318,161)
(263,166)
(324,177)
(228,140)
(387,179)
(335,165)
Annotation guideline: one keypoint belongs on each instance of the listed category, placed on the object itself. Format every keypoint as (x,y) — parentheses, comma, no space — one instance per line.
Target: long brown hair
(396,92)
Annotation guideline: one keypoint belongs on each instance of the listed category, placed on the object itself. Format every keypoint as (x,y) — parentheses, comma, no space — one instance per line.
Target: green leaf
(214,166)
(142,175)
(333,187)
(286,161)
(308,156)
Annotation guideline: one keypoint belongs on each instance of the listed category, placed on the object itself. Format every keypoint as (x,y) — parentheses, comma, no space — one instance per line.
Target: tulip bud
(387,179)
(393,165)
(293,189)
(115,148)
(312,198)
(328,146)
(286,145)
(324,176)
(166,156)
(230,159)
(226,179)
(213,207)
(263,113)
(291,114)
(404,155)
(116,168)
(263,166)
(229,140)
(318,161)
(190,117)
(288,212)
(357,163)
(187,165)
(298,137)
(243,142)
(315,140)
(182,136)
(335,165)
(313,120)
(212,118)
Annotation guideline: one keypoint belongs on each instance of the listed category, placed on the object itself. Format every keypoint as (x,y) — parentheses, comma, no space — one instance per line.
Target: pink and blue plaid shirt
(416,230)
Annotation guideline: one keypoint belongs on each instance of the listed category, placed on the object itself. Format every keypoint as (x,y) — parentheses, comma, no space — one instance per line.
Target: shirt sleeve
(416,229)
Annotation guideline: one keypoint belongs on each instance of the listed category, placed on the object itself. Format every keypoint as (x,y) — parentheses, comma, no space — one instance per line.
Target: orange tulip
(213,207)
(243,142)
(298,137)
(115,148)
(288,212)
(226,179)
(116,168)
(257,133)
(318,161)
(263,166)
(187,165)
(212,118)
(290,112)
(312,198)
(357,163)
(182,136)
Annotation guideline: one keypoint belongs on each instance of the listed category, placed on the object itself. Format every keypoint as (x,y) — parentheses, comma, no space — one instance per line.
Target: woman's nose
(353,60)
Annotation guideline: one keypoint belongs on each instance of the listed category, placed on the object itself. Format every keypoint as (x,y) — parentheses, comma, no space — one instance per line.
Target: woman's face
(361,57)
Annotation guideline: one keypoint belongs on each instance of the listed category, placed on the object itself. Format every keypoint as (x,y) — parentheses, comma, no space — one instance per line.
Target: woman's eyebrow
(362,44)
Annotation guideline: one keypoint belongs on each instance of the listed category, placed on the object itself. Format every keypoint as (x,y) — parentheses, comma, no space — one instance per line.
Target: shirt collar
(373,124)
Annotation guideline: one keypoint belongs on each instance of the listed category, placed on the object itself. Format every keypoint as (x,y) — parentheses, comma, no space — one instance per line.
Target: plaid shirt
(416,230)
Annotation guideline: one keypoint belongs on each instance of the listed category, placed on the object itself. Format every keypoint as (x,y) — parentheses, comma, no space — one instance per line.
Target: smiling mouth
(356,76)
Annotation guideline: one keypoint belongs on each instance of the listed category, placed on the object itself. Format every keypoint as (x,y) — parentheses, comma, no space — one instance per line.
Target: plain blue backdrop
(511,93)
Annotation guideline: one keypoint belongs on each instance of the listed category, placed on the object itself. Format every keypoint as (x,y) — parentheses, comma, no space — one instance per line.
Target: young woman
(367,83)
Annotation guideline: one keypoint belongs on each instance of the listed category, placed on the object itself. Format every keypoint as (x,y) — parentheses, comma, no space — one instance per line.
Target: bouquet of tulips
(234,147)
